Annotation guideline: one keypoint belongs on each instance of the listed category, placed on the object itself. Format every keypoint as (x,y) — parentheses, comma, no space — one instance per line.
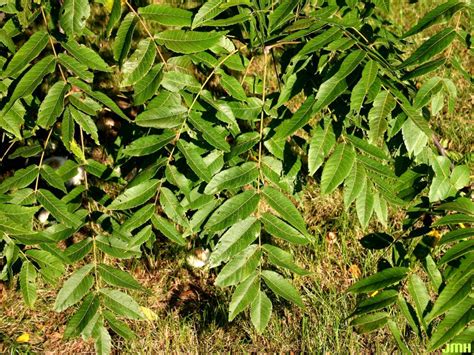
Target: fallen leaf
(149,314)
(355,271)
(24,338)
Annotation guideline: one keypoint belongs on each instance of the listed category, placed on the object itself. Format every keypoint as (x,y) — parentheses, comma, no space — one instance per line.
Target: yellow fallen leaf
(373,293)
(149,314)
(24,338)
(355,271)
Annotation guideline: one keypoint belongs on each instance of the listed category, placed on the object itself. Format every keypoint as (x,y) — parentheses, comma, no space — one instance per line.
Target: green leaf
(28,283)
(337,168)
(442,12)
(260,311)
(232,178)
(119,327)
(103,341)
(85,55)
(420,296)
(381,208)
(362,88)
(460,178)
(285,208)
(424,68)
(123,40)
(456,234)
(135,196)
(370,322)
(75,67)
(194,160)
(187,42)
(234,240)
(457,251)
(431,47)
(207,12)
(7,41)
(384,104)
(13,120)
(415,140)
(281,15)
(141,237)
(239,267)
(332,88)
(409,314)
(30,81)
(283,259)
(398,336)
(384,5)
(52,105)
(138,219)
(453,219)
(282,287)
(243,296)
(99,96)
(73,16)
(368,148)
(456,319)
(172,207)
(175,81)
(321,143)
(58,209)
(380,280)
(114,15)
(51,266)
(79,250)
(365,204)
(116,247)
(85,122)
(297,121)
(232,86)
(319,41)
(162,117)
(116,277)
(377,302)
(280,229)
(452,295)
(52,178)
(429,89)
(139,63)
(28,51)
(83,316)
(74,288)
(148,144)
(146,87)
(166,15)
(233,210)
(215,136)
(121,304)
(168,229)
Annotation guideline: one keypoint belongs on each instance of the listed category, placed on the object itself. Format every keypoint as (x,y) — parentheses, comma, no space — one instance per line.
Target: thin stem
(51,42)
(181,128)
(246,70)
(145,27)
(42,158)
(6,152)
(262,117)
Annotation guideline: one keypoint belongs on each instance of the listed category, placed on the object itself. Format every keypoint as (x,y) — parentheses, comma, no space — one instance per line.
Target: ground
(192,313)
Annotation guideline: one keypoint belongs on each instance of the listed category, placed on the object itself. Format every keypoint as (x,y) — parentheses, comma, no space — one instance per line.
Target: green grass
(192,313)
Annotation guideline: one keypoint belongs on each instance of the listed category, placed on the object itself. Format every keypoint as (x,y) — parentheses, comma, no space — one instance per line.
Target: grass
(191,312)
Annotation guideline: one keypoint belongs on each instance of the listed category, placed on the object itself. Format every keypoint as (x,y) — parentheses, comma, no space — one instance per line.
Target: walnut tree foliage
(125,123)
